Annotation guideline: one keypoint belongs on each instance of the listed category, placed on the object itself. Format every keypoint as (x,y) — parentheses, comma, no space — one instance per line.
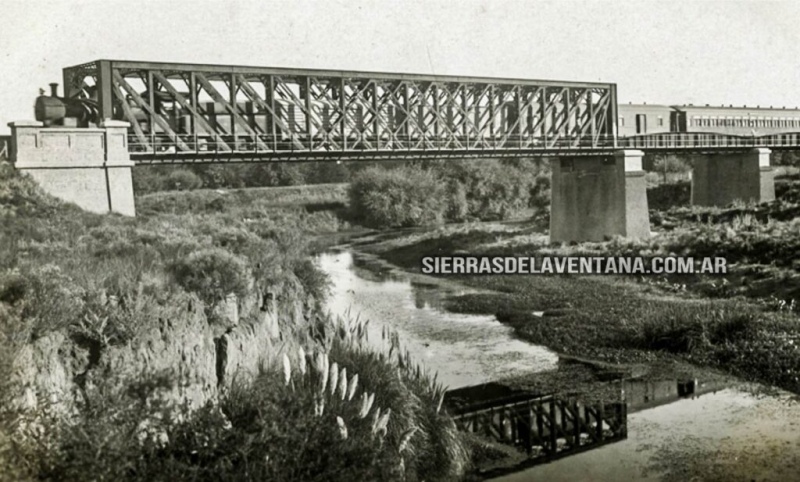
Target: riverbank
(613,319)
(676,410)
(189,342)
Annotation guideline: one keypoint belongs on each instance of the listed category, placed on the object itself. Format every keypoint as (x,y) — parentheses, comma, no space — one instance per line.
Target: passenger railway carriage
(641,119)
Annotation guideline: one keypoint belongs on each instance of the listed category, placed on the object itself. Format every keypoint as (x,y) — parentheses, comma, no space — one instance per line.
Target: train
(644,119)
(287,129)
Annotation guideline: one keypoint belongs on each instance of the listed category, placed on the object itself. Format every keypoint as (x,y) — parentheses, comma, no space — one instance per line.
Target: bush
(666,196)
(212,274)
(404,197)
(342,413)
(315,281)
(492,190)
(458,205)
(182,180)
(43,297)
(417,195)
(671,163)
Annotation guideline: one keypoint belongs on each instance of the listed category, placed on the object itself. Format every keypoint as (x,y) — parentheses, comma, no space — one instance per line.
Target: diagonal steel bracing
(271,111)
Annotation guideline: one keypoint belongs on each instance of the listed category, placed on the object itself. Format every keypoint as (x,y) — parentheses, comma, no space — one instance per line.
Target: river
(732,432)
(463,349)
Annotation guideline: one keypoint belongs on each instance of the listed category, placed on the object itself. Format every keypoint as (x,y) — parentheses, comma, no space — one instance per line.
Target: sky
(671,52)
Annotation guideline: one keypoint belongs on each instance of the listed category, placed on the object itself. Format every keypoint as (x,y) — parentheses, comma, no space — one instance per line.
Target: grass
(645,319)
(340,413)
(110,313)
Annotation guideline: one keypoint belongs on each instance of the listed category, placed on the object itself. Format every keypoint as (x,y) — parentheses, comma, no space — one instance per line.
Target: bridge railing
(264,144)
(695,140)
(162,147)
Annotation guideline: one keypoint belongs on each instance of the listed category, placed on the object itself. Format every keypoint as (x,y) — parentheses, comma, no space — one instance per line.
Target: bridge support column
(594,198)
(90,167)
(720,179)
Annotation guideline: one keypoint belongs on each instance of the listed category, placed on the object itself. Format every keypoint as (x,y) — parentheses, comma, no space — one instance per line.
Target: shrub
(404,197)
(147,179)
(212,274)
(315,281)
(342,413)
(668,195)
(671,163)
(182,180)
(43,297)
(493,190)
(540,191)
(278,174)
(458,205)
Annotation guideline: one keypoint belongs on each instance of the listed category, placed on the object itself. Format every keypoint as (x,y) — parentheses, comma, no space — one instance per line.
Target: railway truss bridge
(170,113)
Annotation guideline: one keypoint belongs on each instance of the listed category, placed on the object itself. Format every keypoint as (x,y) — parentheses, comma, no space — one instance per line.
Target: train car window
(660,121)
(621,121)
(696,121)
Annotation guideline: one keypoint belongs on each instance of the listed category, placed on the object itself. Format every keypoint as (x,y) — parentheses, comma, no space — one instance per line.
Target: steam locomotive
(287,128)
(54,110)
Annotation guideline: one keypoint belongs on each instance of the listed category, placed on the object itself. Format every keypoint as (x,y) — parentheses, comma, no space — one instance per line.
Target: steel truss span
(180,112)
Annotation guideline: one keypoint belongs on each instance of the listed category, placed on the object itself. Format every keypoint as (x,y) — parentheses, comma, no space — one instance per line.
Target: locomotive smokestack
(54,89)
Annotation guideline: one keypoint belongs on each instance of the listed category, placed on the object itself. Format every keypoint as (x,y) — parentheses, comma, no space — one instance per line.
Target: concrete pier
(90,167)
(720,179)
(595,198)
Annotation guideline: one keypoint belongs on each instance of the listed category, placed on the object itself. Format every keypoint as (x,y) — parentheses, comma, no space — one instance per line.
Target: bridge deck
(299,149)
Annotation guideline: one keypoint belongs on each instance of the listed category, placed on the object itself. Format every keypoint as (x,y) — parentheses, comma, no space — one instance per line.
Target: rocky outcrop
(201,354)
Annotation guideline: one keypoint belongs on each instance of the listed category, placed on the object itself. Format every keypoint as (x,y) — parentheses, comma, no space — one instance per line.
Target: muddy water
(732,434)
(463,349)
(722,433)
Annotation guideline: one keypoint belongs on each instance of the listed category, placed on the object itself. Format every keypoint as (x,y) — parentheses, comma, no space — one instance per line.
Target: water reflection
(678,429)
(644,394)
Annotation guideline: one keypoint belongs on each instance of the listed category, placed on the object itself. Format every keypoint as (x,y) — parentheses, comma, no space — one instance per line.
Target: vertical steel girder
(185,108)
